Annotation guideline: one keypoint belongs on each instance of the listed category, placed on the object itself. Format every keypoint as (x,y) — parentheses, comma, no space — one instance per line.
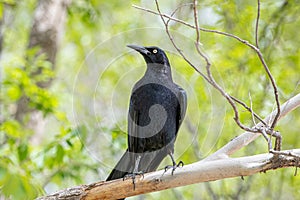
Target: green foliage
(22,78)
(27,165)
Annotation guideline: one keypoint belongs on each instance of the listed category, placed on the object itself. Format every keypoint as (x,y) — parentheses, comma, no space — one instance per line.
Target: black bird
(157,108)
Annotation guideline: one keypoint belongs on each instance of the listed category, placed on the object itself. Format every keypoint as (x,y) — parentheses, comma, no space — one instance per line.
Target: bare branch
(196,22)
(189,174)
(200,28)
(251,109)
(256,24)
(178,7)
(275,89)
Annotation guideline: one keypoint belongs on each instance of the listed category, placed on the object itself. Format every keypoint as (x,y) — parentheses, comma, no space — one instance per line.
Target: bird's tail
(122,168)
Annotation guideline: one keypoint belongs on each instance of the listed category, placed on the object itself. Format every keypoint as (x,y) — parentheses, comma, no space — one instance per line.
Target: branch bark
(189,174)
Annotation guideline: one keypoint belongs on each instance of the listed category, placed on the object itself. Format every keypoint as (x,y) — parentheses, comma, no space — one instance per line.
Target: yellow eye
(154,51)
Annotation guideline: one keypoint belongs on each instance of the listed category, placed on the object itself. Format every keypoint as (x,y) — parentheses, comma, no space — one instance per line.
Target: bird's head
(152,54)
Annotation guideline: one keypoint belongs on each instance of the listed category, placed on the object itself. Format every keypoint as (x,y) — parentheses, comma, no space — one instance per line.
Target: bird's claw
(132,176)
(180,163)
(173,167)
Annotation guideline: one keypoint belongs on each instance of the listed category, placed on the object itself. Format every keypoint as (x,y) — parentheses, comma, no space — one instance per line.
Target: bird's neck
(159,70)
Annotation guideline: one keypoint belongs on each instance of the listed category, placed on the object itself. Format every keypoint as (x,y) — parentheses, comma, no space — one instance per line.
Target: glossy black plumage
(157,108)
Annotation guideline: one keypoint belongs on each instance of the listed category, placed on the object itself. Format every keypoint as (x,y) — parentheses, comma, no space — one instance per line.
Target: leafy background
(84,112)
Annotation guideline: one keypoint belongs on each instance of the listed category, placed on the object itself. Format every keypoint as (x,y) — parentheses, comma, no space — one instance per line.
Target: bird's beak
(139,49)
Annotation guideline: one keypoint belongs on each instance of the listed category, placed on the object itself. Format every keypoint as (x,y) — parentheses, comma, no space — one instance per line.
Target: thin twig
(200,28)
(178,7)
(256,25)
(274,88)
(176,47)
(196,22)
(249,109)
(264,133)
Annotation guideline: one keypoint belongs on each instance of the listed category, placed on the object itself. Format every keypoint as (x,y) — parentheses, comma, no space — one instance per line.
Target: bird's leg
(174,166)
(135,171)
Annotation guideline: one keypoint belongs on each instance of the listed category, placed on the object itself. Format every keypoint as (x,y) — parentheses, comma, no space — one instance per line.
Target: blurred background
(66,79)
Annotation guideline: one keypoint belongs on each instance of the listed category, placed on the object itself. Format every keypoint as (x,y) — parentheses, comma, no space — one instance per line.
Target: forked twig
(249,109)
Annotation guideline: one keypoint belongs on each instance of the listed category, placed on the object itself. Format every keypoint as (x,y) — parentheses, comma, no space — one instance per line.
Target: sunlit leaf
(12,128)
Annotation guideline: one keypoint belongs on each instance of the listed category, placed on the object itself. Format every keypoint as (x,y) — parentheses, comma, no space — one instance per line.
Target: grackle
(157,108)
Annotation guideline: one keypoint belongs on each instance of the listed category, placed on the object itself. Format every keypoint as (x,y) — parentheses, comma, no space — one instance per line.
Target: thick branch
(209,169)
(189,174)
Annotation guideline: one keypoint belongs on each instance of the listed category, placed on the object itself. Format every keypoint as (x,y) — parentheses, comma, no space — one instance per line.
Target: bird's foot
(132,176)
(174,166)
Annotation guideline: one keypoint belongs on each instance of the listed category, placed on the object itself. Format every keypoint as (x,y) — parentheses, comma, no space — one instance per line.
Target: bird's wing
(134,142)
(183,104)
(132,127)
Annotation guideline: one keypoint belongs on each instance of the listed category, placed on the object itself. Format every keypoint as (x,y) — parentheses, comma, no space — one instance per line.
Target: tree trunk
(46,33)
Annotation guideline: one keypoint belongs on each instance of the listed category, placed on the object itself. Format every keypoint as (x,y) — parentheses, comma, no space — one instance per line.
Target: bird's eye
(154,51)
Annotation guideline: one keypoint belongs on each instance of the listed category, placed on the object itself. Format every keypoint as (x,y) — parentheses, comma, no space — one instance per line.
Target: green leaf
(11,128)
(22,151)
(69,142)
(13,187)
(1,11)
(60,152)
(3,172)
(13,92)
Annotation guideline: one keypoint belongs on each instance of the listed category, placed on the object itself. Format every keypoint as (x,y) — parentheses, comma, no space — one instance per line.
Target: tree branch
(256,24)
(215,167)
(189,174)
